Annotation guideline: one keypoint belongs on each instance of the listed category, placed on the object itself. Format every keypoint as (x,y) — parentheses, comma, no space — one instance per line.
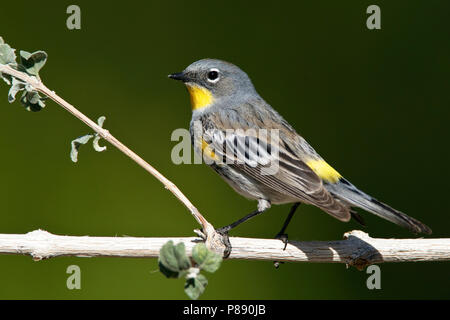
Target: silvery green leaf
(206,259)
(167,272)
(180,253)
(16,86)
(7,54)
(95,144)
(33,62)
(32,101)
(6,77)
(85,139)
(194,287)
(174,258)
(97,138)
(101,120)
(76,145)
(192,272)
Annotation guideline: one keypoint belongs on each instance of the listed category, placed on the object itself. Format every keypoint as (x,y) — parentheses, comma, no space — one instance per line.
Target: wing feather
(255,156)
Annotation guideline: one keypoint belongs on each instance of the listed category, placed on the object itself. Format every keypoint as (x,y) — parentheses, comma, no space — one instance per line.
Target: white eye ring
(213,75)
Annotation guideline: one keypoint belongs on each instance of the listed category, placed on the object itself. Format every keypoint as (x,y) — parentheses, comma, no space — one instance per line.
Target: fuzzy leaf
(206,259)
(97,138)
(101,121)
(85,139)
(16,86)
(32,101)
(33,62)
(76,145)
(6,77)
(7,54)
(95,144)
(194,287)
(174,258)
(167,272)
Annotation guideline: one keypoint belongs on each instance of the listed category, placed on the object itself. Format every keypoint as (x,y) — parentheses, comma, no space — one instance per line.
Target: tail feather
(347,192)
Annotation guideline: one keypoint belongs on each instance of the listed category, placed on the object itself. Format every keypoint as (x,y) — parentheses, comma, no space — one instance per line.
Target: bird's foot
(216,240)
(283,237)
(225,240)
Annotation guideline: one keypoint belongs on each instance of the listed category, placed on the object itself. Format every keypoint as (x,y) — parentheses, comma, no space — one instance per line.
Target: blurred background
(373,103)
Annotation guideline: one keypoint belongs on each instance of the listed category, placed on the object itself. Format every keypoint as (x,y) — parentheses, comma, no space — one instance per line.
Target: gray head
(210,79)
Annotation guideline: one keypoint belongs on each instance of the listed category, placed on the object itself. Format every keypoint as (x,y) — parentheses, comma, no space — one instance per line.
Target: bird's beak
(178,76)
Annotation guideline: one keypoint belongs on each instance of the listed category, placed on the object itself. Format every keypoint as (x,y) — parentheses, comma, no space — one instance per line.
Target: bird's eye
(213,75)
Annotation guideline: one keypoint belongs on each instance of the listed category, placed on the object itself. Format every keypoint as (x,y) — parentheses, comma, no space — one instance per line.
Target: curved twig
(213,239)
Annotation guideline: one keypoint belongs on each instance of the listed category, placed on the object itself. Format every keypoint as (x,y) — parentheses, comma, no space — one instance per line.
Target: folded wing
(275,167)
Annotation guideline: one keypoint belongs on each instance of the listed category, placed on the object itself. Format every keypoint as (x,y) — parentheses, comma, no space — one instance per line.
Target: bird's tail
(347,192)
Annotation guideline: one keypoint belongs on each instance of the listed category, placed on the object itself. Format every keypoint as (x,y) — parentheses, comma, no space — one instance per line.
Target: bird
(230,127)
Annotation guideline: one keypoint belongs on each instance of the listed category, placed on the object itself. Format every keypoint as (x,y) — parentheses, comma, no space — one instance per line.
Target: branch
(357,249)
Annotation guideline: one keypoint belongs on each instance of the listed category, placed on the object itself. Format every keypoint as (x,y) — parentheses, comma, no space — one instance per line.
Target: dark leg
(282,235)
(224,230)
(236,223)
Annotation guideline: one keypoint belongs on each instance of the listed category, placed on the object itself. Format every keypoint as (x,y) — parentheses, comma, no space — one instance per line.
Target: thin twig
(357,249)
(207,229)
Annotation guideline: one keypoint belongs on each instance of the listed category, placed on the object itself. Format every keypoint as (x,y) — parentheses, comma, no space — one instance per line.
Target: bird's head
(209,80)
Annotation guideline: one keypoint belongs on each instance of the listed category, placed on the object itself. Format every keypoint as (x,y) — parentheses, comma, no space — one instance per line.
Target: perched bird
(228,119)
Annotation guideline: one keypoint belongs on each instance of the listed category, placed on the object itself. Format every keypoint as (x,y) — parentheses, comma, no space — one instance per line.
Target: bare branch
(105,134)
(357,248)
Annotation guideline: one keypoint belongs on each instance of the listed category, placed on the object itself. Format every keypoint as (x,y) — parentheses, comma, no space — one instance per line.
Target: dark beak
(178,76)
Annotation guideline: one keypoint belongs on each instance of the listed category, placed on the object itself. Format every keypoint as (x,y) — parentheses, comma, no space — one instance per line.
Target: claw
(226,241)
(283,237)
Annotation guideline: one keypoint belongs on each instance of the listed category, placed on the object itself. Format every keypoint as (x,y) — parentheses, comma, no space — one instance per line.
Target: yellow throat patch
(324,170)
(200,97)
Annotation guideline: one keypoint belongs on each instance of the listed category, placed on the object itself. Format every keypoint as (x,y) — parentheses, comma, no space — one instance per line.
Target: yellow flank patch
(206,149)
(324,170)
(200,97)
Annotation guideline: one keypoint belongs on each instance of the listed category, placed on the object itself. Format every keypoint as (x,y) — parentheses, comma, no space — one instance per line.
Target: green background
(375,104)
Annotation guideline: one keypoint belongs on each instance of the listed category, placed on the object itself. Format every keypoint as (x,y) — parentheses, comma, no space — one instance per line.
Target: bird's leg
(282,235)
(224,230)
(238,222)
